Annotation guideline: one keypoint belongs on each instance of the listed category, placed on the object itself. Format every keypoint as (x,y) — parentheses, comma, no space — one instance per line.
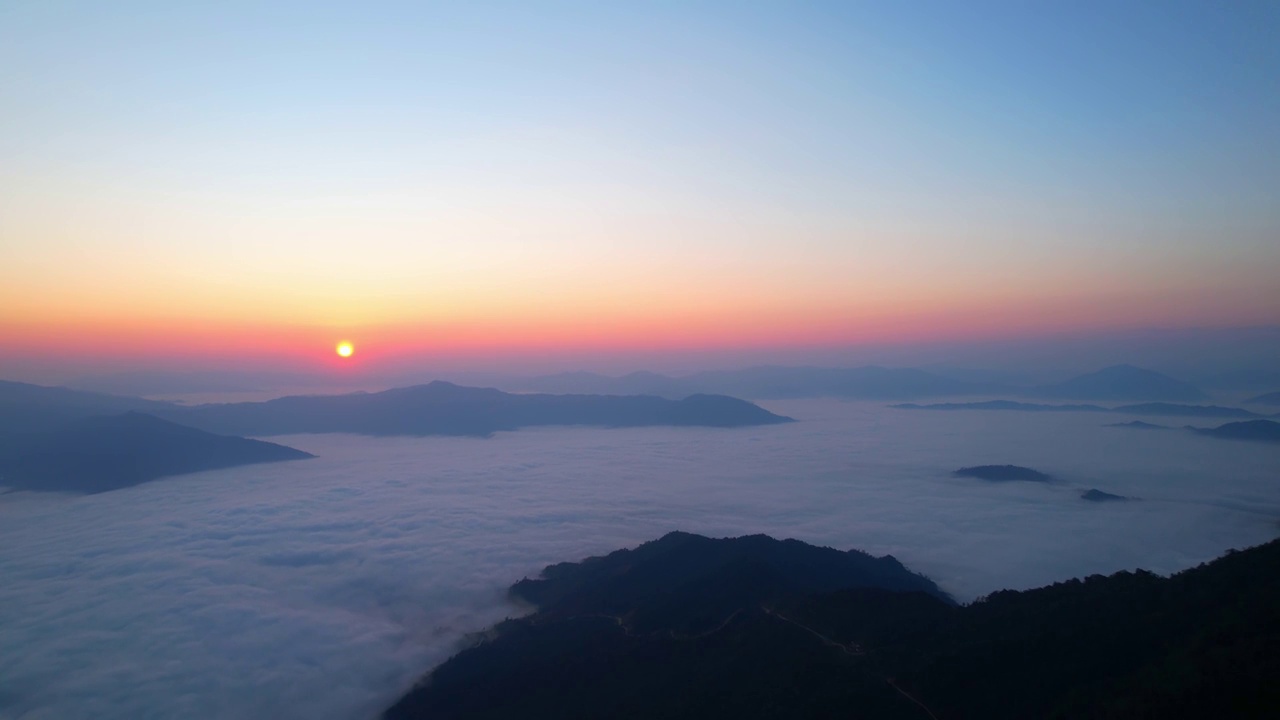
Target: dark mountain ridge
(104,453)
(441,408)
(1251,430)
(740,639)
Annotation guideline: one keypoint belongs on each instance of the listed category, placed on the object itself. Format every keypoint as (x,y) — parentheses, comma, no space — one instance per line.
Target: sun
(345,349)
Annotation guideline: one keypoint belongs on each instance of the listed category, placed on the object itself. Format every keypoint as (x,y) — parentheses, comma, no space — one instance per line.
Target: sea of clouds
(324,588)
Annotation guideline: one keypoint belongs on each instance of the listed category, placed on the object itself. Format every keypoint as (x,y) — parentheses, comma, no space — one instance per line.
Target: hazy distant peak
(1122,382)
(1271,398)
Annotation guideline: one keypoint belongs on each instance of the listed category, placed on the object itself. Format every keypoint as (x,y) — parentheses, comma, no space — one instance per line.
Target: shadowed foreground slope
(687,627)
(107,453)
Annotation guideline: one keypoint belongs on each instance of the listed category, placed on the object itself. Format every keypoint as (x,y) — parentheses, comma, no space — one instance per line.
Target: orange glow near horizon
(754,323)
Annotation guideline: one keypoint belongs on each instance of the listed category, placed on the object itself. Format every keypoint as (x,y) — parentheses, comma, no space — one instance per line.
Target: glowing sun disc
(345,349)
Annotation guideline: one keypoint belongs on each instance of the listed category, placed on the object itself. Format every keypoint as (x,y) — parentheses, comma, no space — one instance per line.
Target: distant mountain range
(1169,409)
(753,628)
(59,439)
(442,408)
(1121,382)
(109,452)
(1249,430)
(1116,383)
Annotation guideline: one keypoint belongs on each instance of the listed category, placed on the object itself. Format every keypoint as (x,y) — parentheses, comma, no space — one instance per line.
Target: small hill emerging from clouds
(1003,473)
(107,453)
(1122,382)
(1138,425)
(753,628)
(1096,495)
(442,408)
(1251,430)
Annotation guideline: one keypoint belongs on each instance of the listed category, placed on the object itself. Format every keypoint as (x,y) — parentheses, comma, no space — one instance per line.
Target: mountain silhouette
(1272,398)
(1155,408)
(104,453)
(26,408)
(441,408)
(1096,495)
(766,382)
(1252,430)
(1121,382)
(754,628)
(1003,473)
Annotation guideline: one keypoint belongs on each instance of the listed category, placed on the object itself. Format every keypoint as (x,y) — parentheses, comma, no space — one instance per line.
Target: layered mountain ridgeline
(1163,409)
(1267,399)
(872,382)
(1003,473)
(438,408)
(29,408)
(442,408)
(769,382)
(767,631)
(1121,382)
(104,453)
(1252,430)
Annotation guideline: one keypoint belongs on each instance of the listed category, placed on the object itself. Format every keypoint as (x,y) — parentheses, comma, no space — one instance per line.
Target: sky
(250,183)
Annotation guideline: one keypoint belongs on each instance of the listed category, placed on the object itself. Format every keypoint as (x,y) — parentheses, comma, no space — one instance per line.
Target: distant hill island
(1252,430)
(104,453)
(753,628)
(1249,430)
(1096,495)
(1003,473)
(1139,425)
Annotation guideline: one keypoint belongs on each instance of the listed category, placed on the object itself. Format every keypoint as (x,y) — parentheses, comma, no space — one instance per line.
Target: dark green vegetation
(687,627)
(1003,473)
(1252,430)
(104,453)
(1096,495)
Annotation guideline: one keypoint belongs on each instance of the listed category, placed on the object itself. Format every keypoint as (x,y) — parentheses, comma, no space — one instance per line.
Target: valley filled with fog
(324,588)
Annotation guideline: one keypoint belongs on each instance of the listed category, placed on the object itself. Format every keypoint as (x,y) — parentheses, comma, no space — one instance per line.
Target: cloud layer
(322,589)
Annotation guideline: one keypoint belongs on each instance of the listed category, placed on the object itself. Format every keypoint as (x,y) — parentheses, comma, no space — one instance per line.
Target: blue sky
(539,170)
